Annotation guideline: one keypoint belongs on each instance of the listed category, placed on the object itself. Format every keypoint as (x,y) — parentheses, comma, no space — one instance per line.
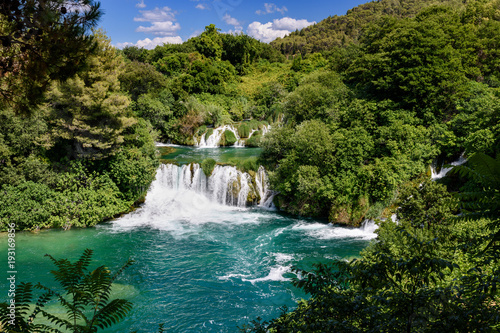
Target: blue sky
(147,23)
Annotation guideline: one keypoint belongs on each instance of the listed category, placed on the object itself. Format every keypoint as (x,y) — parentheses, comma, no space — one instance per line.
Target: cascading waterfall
(443,171)
(266,195)
(266,129)
(226,185)
(213,141)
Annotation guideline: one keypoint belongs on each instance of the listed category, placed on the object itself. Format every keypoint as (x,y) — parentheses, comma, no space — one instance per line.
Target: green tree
(319,96)
(209,43)
(421,62)
(138,78)
(88,114)
(41,42)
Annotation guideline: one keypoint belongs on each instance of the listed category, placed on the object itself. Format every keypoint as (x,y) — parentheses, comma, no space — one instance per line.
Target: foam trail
(329,231)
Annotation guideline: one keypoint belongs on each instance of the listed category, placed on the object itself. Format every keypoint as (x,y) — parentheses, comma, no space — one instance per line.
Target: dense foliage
(360,106)
(336,32)
(357,141)
(81,155)
(429,271)
(416,89)
(42,41)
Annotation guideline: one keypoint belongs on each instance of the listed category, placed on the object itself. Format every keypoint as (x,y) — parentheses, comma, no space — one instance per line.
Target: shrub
(202,130)
(254,140)
(244,131)
(208,166)
(228,138)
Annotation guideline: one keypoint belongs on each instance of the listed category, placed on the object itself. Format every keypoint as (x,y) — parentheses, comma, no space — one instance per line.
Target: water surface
(200,266)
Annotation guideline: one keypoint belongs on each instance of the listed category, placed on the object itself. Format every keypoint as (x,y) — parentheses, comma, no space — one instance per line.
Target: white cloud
(151,44)
(141,4)
(196,33)
(288,23)
(270,8)
(269,31)
(161,19)
(236,31)
(156,15)
(232,21)
(167,28)
(202,6)
(265,32)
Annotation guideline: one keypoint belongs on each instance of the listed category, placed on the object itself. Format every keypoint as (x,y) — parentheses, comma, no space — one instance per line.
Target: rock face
(225,185)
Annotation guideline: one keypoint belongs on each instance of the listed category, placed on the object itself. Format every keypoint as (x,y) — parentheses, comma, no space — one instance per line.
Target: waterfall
(213,141)
(443,171)
(369,226)
(251,133)
(226,185)
(266,195)
(266,129)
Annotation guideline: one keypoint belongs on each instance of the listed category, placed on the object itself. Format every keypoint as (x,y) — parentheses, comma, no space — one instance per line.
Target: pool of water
(200,266)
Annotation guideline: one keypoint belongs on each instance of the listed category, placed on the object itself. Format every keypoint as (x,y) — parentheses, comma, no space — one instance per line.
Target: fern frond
(125,266)
(61,323)
(112,313)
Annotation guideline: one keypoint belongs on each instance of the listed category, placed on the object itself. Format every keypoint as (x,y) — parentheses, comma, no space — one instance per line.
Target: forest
(361,107)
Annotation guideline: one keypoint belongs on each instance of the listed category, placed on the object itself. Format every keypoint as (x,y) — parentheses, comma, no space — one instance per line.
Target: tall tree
(42,41)
(210,42)
(88,111)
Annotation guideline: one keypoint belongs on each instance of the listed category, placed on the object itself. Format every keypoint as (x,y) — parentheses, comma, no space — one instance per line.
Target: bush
(254,140)
(29,205)
(249,164)
(244,131)
(208,166)
(228,138)
(202,130)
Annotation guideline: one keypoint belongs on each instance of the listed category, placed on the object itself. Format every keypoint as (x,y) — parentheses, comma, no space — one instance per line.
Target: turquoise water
(186,155)
(200,266)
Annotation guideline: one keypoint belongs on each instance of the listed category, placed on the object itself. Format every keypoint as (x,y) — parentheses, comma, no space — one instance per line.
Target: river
(201,265)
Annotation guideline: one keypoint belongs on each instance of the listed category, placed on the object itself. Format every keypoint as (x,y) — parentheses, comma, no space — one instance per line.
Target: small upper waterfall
(214,140)
(226,185)
(443,171)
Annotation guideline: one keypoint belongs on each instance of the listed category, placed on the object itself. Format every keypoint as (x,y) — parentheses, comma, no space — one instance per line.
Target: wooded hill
(339,31)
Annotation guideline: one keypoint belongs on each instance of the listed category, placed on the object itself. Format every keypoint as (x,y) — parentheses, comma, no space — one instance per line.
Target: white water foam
(213,141)
(443,171)
(329,231)
(275,274)
(182,197)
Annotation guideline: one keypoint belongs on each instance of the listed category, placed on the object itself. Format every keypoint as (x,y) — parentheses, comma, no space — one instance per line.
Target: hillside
(337,31)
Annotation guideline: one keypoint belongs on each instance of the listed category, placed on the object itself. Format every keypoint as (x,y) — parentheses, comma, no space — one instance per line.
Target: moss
(253,124)
(201,130)
(208,166)
(167,161)
(252,198)
(254,140)
(244,131)
(263,124)
(228,138)
(248,164)
(210,131)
